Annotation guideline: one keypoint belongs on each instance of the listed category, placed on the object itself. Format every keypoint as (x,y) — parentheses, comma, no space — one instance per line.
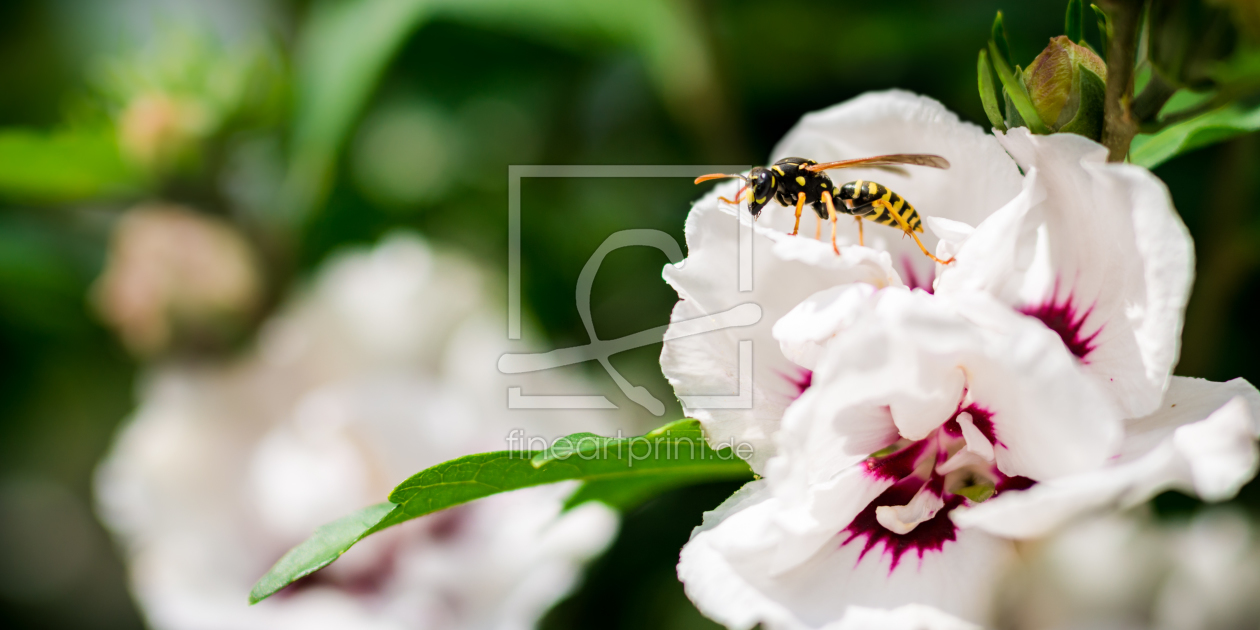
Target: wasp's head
(761,183)
(759,186)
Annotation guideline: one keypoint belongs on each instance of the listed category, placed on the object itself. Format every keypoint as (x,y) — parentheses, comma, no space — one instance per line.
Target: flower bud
(1067,85)
(156,130)
(177,277)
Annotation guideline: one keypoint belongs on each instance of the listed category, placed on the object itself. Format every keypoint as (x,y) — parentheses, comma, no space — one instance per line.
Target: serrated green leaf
(1151,150)
(62,166)
(325,545)
(1016,93)
(1104,28)
(989,93)
(1074,22)
(997,41)
(619,471)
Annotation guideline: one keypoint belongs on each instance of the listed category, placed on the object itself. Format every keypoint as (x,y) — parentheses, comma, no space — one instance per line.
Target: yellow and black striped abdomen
(865,194)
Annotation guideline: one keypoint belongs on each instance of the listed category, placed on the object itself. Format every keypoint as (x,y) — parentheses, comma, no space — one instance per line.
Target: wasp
(797,181)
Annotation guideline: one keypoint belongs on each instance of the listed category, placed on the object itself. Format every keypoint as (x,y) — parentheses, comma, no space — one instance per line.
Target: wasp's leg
(905,227)
(858,212)
(831,212)
(744,192)
(800,203)
(818,228)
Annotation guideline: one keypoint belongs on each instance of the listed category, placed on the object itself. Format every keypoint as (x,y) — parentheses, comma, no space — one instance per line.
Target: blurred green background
(310,126)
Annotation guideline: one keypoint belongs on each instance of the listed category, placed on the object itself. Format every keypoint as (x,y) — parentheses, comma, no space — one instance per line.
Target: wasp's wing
(913,159)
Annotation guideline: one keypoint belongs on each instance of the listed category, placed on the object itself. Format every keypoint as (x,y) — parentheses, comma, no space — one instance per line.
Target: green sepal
(997,41)
(1088,120)
(1074,22)
(1017,95)
(989,93)
(1104,29)
(1013,118)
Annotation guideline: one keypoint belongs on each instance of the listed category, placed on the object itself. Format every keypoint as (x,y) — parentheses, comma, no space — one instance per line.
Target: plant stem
(1119,125)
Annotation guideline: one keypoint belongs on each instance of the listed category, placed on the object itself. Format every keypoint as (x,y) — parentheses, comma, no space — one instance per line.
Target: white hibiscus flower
(364,380)
(1130,571)
(929,431)
(789,269)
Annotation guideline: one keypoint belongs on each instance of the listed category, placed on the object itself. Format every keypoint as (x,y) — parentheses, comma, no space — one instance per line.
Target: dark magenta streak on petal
(802,381)
(981,417)
(912,277)
(898,465)
(1015,483)
(930,535)
(1062,318)
(936,484)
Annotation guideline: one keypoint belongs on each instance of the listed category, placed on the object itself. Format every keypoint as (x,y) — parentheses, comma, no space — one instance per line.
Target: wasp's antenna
(712,176)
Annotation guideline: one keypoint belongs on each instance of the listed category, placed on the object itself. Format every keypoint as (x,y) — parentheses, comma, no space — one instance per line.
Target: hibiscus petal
(902,519)
(806,328)
(1098,253)
(908,617)
(917,354)
(725,570)
(1201,440)
(981,177)
(707,282)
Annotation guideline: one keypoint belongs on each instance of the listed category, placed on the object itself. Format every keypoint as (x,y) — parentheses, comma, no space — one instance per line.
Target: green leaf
(62,166)
(344,49)
(617,471)
(325,545)
(1074,25)
(998,43)
(1016,92)
(347,44)
(989,93)
(1104,29)
(1151,150)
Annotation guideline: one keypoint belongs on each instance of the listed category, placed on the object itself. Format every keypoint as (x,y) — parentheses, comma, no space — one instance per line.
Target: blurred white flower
(1128,571)
(909,431)
(383,367)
